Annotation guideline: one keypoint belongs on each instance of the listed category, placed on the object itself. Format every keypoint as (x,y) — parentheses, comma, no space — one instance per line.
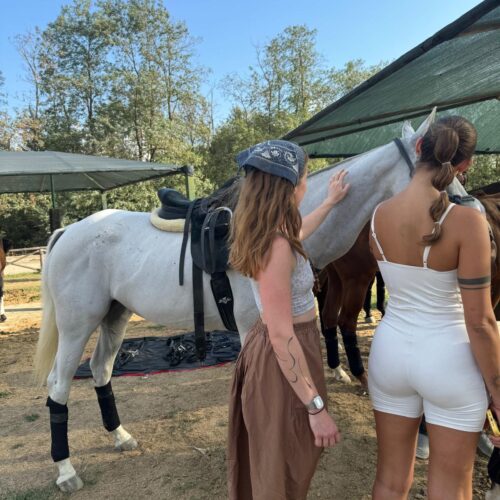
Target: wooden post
(104,200)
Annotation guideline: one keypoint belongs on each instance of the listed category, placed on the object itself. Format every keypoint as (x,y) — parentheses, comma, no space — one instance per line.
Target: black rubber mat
(149,355)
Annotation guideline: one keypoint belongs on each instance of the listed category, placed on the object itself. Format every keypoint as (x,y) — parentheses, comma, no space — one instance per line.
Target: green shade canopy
(46,171)
(457,70)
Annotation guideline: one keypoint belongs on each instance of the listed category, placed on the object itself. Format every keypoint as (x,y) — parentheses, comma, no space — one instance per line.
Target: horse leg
(69,353)
(112,332)
(329,300)
(380,293)
(355,292)
(3,317)
(367,306)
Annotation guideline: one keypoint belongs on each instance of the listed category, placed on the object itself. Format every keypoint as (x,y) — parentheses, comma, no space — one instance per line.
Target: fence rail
(18,255)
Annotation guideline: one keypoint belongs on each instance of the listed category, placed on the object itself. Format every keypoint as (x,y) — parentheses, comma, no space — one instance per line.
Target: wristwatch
(316,405)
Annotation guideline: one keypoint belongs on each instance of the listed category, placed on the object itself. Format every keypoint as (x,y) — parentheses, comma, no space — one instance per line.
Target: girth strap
(199,315)
(184,242)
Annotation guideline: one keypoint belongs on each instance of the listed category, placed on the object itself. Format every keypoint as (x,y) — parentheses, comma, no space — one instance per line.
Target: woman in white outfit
(437,349)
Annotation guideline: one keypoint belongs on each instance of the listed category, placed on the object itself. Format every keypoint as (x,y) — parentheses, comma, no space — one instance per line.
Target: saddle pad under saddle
(170,226)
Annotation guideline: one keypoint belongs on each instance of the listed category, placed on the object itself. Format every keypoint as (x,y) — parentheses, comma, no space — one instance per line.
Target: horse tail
(46,348)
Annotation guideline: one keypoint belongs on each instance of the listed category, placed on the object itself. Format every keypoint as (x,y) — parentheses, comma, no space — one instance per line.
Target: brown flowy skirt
(271,451)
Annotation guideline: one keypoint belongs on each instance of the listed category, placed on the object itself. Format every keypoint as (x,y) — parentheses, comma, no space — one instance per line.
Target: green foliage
(286,86)
(119,78)
(485,170)
(24,219)
(6,130)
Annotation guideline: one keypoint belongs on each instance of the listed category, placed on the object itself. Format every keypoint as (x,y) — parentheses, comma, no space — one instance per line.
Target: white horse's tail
(46,348)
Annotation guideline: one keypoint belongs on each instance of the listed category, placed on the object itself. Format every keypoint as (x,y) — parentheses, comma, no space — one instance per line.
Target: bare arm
(275,290)
(274,285)
(337,190)
(474,275)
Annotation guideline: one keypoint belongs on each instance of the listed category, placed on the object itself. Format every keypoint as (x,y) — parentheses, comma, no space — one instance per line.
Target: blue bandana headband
(282,158)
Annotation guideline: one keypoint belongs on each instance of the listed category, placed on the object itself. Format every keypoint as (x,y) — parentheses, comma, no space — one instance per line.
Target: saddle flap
(209,246)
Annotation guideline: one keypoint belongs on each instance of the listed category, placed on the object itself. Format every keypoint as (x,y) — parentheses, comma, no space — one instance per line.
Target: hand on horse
(337,190)
(324,429)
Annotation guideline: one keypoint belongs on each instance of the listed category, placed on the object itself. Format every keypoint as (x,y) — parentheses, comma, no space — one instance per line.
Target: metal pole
(190,185)
(104,200)
(52,192)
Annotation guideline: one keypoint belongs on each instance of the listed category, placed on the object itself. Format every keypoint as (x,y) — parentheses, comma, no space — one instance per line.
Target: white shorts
(432,373)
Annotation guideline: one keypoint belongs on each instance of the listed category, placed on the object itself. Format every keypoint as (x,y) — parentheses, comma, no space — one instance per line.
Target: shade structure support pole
(52,192)
(104,200)
(189,179)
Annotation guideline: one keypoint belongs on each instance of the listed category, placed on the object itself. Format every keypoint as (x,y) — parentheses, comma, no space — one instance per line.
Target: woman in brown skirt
(278,422)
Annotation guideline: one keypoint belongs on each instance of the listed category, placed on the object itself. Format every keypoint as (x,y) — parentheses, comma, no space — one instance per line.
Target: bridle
(405,155)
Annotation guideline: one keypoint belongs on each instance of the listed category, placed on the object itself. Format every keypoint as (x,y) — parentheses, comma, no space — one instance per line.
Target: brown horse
(344,284)
(343,287)
(5,246)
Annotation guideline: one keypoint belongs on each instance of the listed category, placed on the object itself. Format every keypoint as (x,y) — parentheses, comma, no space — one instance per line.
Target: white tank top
(420,296)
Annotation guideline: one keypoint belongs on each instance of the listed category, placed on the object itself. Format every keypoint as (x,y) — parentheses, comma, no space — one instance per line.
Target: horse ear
(425,125)
(407,132)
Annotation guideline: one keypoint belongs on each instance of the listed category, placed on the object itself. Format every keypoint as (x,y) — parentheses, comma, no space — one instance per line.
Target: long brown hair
(266,207)
(447,143)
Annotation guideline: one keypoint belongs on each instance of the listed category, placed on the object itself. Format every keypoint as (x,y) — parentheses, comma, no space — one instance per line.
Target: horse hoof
(128,445)
(484,445)
(494,493)
(73,483)
(340,375)
(363,380)
(3,318)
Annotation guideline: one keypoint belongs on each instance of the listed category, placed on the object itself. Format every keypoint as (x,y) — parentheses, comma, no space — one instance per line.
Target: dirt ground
(179,419)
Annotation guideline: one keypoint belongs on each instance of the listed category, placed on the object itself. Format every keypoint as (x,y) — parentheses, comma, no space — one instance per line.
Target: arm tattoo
(474,283)
(295,369)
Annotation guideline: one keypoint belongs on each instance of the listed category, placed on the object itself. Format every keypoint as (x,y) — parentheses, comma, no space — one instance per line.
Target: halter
(404,154)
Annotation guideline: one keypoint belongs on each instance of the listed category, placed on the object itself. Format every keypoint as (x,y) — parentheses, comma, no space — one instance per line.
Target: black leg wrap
(368,300)
(107,404)
(422,429)
(494,466)
(332,347)
(353,354)
(58,430)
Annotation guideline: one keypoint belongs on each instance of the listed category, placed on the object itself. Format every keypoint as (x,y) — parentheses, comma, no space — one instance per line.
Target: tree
(73,77)
(6,131)
(286,86)
(485,170)
(29,122)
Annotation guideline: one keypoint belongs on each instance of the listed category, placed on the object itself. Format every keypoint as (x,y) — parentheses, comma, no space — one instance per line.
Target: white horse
(101,270)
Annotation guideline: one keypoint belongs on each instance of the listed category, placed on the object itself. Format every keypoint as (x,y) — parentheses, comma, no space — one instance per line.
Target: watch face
(318,402)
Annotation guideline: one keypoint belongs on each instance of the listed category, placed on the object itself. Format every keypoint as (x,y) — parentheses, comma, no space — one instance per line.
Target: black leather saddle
(207,226)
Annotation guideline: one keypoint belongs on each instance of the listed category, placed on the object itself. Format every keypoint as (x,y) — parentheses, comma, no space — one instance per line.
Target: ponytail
(446,144)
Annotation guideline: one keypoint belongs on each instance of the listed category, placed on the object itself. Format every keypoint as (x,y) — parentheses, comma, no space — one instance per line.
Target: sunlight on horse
(101,270)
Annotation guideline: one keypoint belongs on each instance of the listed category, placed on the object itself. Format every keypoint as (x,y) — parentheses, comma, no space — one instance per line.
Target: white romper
(420,359)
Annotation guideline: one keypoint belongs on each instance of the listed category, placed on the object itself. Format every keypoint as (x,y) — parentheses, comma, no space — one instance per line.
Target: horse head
(374,176)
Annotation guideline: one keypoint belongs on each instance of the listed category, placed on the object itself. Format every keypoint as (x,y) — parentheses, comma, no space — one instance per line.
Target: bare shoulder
(469,219)
(281,251)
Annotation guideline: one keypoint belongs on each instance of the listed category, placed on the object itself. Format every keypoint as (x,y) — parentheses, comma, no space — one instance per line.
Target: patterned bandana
(282,158)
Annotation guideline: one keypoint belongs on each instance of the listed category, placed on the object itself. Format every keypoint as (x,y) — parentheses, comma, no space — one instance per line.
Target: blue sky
(229,30)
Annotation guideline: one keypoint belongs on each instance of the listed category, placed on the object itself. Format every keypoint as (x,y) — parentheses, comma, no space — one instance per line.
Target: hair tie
(447,164)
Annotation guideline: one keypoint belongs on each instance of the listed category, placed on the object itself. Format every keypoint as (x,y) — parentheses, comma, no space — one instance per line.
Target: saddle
(207,226)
